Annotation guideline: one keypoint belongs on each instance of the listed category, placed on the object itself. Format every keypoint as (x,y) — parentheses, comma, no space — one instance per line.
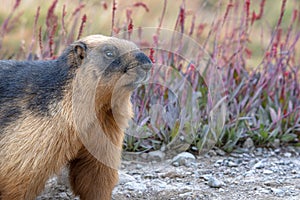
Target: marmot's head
(119,62)
(107,68)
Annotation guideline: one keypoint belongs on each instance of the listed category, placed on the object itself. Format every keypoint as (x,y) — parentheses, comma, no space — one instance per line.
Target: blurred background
(147,14)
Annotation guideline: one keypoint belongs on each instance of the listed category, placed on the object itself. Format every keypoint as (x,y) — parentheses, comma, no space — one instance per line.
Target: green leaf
(288,137)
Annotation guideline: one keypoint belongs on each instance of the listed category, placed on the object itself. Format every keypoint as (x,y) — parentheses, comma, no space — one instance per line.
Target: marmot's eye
(109,54)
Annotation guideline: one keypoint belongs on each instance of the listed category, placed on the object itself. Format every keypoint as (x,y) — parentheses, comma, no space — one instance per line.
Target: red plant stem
(261,10)
(130,28)
(182,17)
(34,29)
(77,10)
(36,17)
(274,35)
(114,8)
(180,21)
(50,14)
(64,13)
(51,22)
(74,19)
(247,9)
(281,12)
(278,36)
(228,8)
(295,14)
(151,55)
(83,21)
(162,17)
(129,22)
(17,3)
(104,5)
(40,42)
(192,25)
(156,36)
(137,4)
(51,40)
(4,27)
(291,25)
(292,47)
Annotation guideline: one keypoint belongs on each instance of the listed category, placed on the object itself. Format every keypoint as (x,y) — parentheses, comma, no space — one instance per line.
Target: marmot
(69,111)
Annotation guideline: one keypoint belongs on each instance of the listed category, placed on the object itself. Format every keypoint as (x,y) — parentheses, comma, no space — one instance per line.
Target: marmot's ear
(77,54)
(80,49)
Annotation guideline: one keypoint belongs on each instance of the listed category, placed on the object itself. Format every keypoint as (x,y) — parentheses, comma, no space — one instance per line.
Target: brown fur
(33,148)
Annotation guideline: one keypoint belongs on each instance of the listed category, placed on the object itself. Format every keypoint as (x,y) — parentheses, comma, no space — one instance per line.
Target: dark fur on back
(32,85)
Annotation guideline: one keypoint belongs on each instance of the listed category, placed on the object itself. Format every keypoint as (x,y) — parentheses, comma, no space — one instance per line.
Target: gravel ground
(258,173)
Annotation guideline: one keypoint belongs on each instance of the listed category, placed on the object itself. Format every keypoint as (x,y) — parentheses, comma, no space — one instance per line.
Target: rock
(277,150)
(206,176)
(215,183)
(249,173)
(294,172)
(271,183)
(158,184)
(63,195)
(249,180)
(248,144)
(150,176)
(218,163)
(156,155)
(265,191)
(258,152)
(232,164)
(266,171)
(125,178)
(211,153)
(183,158)
(138,166)
(144,156)
(186,194)
(287,154)
(278,192)
(259,165)
(236,155)
(220,152)
(276,143)
(173,175)
(134,186)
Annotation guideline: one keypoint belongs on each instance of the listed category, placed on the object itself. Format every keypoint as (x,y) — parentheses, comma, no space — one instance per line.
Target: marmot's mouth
(138,74)
(135,69)
(143,80)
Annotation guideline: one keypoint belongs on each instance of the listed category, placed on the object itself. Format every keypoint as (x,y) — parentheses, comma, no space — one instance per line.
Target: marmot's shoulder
(39,82)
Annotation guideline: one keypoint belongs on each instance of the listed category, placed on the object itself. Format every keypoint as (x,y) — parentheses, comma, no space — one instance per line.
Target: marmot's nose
(144,60)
